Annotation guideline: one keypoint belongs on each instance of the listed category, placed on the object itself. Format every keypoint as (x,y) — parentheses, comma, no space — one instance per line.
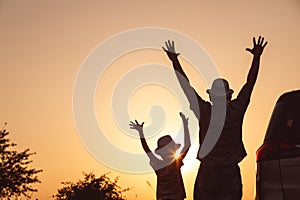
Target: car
(278,158)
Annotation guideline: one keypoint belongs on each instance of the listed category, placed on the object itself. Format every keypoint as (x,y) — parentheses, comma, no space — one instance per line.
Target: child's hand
(136,126)
(184,119)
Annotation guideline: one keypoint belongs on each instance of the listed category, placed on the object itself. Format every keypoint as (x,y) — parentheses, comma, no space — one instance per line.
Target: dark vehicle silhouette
(278,158)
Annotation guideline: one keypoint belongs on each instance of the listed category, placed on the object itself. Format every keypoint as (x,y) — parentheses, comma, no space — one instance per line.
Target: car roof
(289,96)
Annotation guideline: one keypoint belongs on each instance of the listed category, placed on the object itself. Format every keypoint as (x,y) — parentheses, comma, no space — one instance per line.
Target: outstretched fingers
(258,46)
(259,40)
(265,45)
(167,45)
(182,115)
(262,41)
(132,125)
(170,44)
(254,42)
(184,118)
(137,123)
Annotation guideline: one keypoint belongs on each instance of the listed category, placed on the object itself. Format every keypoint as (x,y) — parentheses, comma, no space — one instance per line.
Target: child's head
(166,147)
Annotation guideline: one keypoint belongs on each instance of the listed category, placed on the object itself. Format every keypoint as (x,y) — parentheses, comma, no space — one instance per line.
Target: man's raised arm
(257,51)
(194,99)
(173,56)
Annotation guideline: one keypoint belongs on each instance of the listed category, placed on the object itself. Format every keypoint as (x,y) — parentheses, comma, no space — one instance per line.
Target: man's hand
(136,126)
(170,50)
(184,119)
(258,47)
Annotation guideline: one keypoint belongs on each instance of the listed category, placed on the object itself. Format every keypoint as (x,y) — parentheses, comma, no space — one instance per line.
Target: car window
(291,126)
(284,124)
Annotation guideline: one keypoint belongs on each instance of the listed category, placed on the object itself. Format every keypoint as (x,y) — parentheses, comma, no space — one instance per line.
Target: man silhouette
(219,174)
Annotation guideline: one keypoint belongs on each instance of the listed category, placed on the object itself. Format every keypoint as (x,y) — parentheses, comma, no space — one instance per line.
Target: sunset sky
(44,45)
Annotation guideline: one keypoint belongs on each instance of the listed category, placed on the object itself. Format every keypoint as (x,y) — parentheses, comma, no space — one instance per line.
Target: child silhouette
(169,179)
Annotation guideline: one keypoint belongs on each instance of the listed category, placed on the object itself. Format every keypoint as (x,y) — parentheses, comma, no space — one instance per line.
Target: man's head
(219,91)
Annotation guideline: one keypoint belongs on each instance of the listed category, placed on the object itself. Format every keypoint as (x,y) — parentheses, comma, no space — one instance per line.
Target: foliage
(16,178)
(91,188)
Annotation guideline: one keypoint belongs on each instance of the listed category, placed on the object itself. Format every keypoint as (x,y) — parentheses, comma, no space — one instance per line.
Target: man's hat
(220,87)
(164,141)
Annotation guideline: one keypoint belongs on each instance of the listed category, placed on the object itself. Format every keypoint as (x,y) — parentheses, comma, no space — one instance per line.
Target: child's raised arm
(187,140)
(139,128)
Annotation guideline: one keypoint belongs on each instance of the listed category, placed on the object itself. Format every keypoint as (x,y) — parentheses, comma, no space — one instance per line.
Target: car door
(290,175)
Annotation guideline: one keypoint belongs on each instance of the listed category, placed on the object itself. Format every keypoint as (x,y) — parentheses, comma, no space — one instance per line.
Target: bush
(91,188)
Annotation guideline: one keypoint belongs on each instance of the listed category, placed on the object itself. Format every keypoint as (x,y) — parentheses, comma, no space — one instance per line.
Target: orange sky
(44,43)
